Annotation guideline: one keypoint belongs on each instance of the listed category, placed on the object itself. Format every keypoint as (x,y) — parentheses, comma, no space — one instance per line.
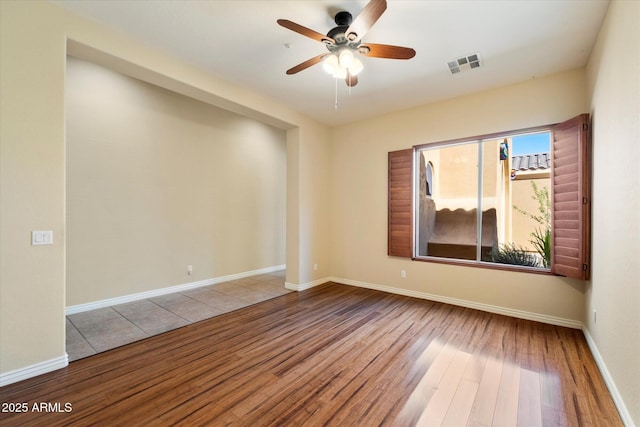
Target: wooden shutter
(571,195)
(400,205)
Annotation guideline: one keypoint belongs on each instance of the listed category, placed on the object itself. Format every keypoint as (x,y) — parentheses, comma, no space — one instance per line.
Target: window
(477,201)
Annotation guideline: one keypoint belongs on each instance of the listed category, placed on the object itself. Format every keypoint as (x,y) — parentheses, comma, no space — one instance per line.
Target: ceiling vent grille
(464,63)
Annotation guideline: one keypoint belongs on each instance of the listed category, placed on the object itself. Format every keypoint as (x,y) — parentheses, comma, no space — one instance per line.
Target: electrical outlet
(41,237)
(315,267)
(403,274)
(189,270)
(595,317)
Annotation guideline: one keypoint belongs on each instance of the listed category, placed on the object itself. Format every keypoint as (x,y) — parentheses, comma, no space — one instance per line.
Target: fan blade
(365,20)
(305,31)
(351,80)
(386,51)
(306,64)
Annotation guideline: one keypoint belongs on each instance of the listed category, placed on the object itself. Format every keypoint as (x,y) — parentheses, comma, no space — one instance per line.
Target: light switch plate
(41,237)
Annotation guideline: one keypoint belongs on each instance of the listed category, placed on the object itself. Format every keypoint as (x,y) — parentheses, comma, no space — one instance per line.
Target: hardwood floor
(334,355)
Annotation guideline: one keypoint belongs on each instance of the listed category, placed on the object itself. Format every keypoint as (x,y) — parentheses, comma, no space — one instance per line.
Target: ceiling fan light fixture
(356,67)
(330,64)
(340,73)
(346,58)
(338,65)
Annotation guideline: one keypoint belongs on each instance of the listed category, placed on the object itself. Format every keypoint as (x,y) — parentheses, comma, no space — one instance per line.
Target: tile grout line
(81,335)
(189,322)
(132,322)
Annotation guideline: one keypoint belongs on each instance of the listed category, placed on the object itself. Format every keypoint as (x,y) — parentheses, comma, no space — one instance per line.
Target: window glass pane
(447,218)
(504,205)
(516,185)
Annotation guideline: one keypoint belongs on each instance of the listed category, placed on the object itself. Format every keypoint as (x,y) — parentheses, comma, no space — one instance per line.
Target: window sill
(486,265)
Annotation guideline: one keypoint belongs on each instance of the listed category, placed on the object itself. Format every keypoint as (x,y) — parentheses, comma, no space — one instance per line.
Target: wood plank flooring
(334,355)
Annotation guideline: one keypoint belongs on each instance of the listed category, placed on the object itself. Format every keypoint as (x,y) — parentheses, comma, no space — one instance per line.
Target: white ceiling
(240,41)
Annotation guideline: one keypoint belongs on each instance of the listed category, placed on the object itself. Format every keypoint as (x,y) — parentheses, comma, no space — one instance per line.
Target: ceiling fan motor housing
(343,20)
(338,34)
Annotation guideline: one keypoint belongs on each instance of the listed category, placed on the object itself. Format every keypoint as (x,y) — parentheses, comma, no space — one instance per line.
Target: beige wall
(31,186)
(156,181)
(33,41)
(614,290)
(359,195)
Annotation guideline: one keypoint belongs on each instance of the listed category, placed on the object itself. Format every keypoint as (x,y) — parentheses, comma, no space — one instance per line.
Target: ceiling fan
(344,43)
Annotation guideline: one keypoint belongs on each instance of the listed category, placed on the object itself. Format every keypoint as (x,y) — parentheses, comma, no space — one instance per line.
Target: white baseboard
(520,314)
(34,370)
(305,286)
(608,380)
(169,290)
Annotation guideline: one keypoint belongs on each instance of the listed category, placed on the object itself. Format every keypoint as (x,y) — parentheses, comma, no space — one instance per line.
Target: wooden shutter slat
(567,243)
(572,234)
(565,197)
(568,261)
(400,218)
(567,225)
(564,148)
(568,271)
(568,169)
(568,215)
(400,204)
(570,206)
(564,161)
(570,177)
(571,188)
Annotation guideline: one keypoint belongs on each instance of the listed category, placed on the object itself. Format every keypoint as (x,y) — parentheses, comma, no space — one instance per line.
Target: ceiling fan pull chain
(335,106)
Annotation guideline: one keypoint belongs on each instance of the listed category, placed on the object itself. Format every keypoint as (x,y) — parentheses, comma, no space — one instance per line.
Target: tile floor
(95,331)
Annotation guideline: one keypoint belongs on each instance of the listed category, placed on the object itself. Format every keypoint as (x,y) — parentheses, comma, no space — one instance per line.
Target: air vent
(464,63)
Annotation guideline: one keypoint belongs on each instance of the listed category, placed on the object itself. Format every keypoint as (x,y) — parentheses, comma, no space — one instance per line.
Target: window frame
(581,140)
(478,141)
